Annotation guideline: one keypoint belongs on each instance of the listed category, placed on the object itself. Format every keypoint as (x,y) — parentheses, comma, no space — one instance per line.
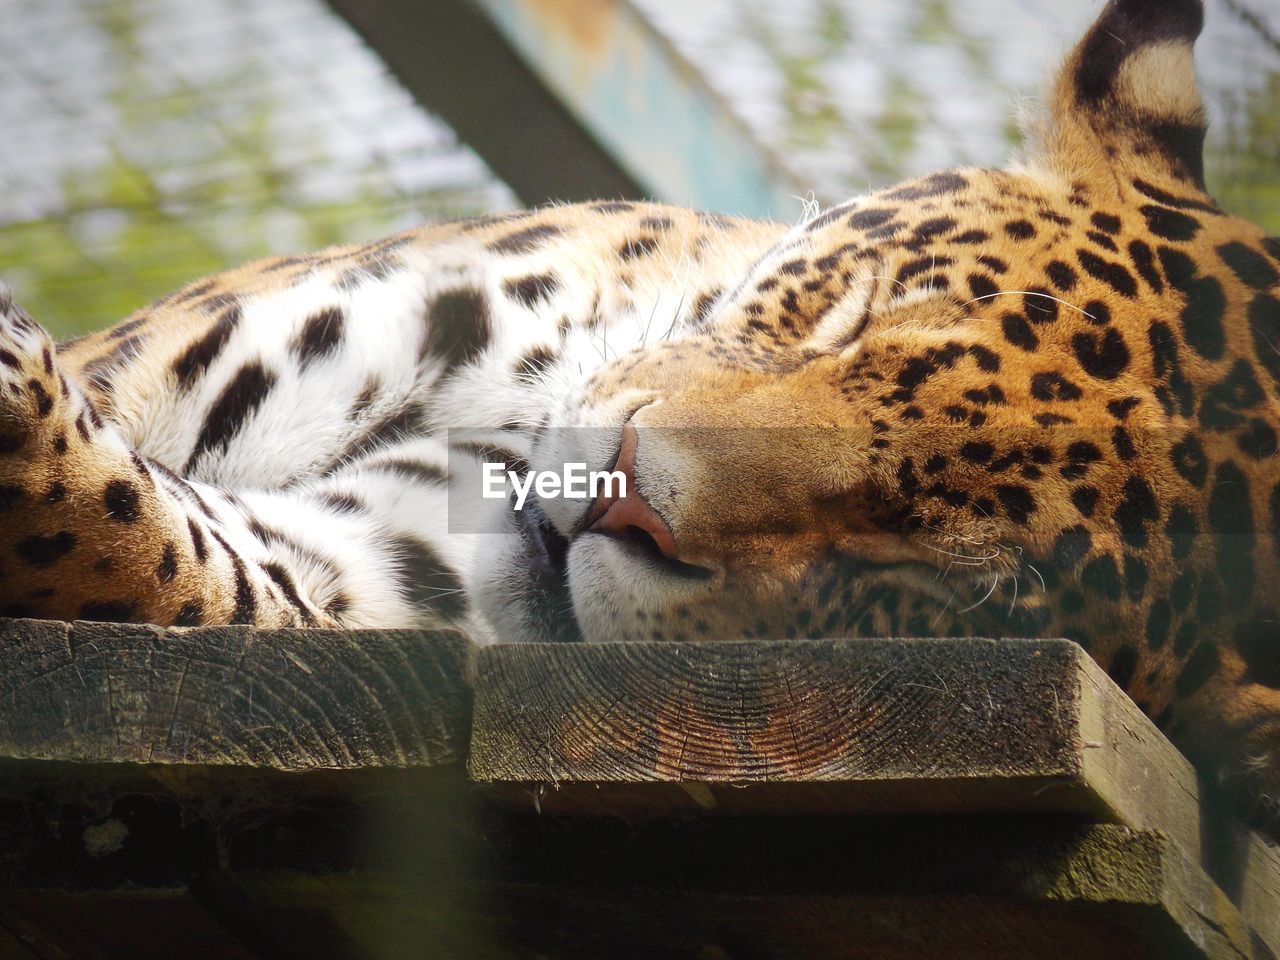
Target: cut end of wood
(233,696)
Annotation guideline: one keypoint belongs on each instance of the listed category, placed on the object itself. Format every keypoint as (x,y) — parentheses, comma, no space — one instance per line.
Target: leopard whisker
(1031,293)
(1043,587)
(995,582)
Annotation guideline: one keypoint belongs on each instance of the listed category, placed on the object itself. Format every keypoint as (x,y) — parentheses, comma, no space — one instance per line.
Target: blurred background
(147,142)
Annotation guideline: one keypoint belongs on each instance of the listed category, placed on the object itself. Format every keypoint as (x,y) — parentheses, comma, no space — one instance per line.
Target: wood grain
(927,725)
(235,696)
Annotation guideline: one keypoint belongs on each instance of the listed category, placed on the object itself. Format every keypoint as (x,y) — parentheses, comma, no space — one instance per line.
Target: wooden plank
(827,727)
(573,101)
(647,105)
(286,700)
(215,860)
(454,61)
(815,727)
(975,888)
(141,769)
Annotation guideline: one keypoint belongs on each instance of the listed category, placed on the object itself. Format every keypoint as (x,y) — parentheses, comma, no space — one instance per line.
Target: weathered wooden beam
(167,860)
(232,696)
(454,61)
(575,101)
(826,727)
(647,105)
(934,726)
(969,888)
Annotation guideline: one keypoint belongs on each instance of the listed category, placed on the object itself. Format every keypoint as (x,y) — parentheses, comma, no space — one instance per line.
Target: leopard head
(1040,401)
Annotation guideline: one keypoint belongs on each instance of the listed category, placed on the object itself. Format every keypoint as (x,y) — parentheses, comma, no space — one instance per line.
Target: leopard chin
(519,582)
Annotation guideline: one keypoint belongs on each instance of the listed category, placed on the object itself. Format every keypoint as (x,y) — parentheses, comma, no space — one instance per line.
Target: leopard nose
(623,512)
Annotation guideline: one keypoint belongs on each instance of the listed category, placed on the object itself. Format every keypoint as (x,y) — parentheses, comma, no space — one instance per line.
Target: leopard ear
(1126,97)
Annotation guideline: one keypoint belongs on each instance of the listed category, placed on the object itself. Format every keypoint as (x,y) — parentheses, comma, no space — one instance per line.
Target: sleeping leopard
(1041,401)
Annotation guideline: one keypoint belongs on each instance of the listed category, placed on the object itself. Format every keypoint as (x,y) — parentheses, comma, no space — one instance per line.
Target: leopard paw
(31,388)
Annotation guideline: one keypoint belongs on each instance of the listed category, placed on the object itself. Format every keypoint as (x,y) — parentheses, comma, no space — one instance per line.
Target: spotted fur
(1040,401)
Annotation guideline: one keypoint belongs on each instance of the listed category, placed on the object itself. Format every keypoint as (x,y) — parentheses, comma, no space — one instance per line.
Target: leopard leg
(89,529)
(1230,727)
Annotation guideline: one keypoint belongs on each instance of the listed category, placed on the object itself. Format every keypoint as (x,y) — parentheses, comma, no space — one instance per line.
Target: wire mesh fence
(858,94)
(147,142)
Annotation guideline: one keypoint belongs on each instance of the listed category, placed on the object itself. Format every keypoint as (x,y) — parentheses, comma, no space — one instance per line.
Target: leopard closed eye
(1037,401)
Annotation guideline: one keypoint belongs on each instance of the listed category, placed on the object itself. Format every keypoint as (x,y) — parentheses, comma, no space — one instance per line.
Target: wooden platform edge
(287,700)
(944,725)
(843,727)
(1032,887)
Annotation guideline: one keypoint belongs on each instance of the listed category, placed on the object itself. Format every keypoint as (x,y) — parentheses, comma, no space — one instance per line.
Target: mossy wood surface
(224,793)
